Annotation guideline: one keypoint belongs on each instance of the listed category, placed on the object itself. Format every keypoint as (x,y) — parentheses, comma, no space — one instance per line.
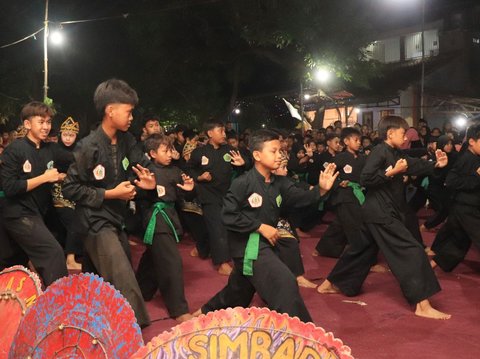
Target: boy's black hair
(389,122)
(149,118)
(331,136)
(153,142)
(180,128)
(35,108)
(321,143)
(189,133)
(211,124)
(349,132)
(257,140)
(231,135)
(473,132)
(365,138)
(113,91)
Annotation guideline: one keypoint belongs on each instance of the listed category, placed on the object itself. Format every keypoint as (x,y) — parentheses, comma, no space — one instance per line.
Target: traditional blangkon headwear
(188,149)
(70,125)
(20,132)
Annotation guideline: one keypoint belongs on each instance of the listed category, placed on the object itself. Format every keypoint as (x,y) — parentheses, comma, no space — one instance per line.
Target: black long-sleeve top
(22,161)
(216,161)
(349,169)
(464,180)
(167,178)
(100,166)
(251,201)
(385,197)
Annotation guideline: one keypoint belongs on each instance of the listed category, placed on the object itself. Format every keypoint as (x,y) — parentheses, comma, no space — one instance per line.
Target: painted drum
(79,316)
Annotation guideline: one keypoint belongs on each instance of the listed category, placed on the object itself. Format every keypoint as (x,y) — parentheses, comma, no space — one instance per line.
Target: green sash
(357,191)
(159,207)
(425,183)
(251,253)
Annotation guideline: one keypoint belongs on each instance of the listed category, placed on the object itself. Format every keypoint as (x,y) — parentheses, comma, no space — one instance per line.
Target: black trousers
(438,197)
(161,268)
(455,238)
(217,234)
(10,252)
(344,230)
(271,279)
(109,252)
(288,250)
(195,224)
(73,238)
(403,253)
(41,247)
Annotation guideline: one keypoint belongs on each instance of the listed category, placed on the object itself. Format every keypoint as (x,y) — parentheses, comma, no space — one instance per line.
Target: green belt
(2,194)
(425,183)
(251,253)
(357,191)
(159,207)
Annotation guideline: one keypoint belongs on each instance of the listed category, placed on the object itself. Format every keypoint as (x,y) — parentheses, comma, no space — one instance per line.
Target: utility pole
(45,53)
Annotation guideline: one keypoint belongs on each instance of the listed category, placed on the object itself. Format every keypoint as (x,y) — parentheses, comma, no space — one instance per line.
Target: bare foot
(305,283)
(433,264)
(424,309)
(379,268)
(194,252)
(302,234)
(429,251)
(197,313)
(72,264)
(225,269)
(184,317)
(327,288)
(423,228)
(315,253)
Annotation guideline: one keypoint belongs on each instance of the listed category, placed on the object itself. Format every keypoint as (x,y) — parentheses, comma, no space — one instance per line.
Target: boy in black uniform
(99,181)
(347,198)
(28,172)
(250,213)
(461,228)
(211,167)
(384,225)
(161,264)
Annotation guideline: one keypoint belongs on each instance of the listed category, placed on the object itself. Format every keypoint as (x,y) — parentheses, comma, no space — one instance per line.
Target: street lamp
(322,75)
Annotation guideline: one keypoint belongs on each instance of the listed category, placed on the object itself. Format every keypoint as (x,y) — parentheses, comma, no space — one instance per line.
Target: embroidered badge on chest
(227,157)
(27,167)
(99,172)
(347,169)
(279,200)
(160,191)
(125,163)
(204,161)
(325,165)
(389,168)
(255,200)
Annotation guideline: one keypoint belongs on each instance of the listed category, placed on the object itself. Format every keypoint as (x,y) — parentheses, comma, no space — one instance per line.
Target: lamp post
(422,81)
(45,54)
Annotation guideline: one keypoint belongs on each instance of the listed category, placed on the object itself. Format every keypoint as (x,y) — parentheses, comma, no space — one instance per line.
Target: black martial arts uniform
(24,211)
(348,218)
(249,203)
(64,208)
(100,166)
(383,214)
(10,253)
(210,194)
(161,264)
(462,226)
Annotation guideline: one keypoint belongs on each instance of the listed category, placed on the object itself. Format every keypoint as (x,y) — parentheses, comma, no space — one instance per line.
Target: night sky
(97,50)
